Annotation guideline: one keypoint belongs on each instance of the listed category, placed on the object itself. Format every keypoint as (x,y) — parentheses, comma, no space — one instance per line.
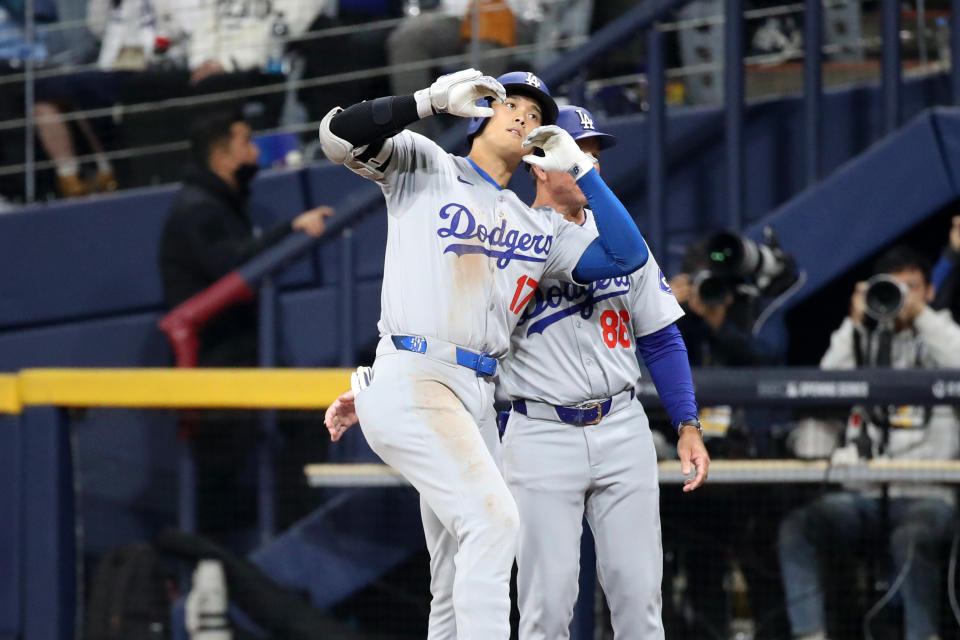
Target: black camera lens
(884,297)
(726,252)
(711,288)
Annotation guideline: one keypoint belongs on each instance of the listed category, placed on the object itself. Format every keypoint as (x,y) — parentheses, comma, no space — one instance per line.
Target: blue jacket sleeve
(620,249)
(665,355)
(942,269)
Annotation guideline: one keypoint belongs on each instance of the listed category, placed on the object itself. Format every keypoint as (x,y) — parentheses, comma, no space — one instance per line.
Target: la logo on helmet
(586,122)
(533,80)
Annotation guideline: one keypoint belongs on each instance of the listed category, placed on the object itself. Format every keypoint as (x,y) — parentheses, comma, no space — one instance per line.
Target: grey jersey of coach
(576,342)
(462,254)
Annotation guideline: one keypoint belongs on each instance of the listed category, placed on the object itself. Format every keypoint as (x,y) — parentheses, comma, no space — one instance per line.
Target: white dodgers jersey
(464,257)
(576,342)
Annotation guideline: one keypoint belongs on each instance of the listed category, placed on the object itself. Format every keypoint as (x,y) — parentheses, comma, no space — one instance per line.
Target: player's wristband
(692,422)
(424,105)
(582,166)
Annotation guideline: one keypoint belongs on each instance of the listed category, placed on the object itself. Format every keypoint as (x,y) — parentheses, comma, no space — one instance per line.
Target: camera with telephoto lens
(737,264)
(884,297)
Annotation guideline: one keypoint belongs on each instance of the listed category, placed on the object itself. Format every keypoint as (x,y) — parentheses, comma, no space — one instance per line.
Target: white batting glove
(457,94)
(561,152)
(360,379)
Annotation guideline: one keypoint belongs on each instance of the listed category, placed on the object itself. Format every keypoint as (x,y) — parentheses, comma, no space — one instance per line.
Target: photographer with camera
(727,282)
(889,325)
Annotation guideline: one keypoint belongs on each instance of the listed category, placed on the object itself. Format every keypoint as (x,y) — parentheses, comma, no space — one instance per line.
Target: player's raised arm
(359,132)
(619,250)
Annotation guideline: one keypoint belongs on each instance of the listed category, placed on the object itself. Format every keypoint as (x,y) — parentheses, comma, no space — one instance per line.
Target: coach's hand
(692,451)
(560,151)
(458,93)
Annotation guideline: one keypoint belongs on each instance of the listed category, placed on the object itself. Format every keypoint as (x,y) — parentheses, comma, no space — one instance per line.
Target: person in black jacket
(207,235)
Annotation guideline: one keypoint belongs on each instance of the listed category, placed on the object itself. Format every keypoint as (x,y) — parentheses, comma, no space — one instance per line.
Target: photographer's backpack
(128,597)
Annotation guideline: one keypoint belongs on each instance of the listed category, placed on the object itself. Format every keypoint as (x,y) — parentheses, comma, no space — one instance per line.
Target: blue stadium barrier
(876,197)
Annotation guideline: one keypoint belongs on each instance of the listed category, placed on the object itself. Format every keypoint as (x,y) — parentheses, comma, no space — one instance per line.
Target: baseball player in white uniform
(578,441)
(464,256)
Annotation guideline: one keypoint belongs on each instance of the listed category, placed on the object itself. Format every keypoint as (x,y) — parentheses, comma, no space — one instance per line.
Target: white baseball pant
(558,471)
(434,422)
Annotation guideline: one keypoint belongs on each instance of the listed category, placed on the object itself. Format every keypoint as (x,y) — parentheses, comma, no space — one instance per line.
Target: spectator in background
(946,273)
(447,30)
(920,517)
(154,50)
(208,234)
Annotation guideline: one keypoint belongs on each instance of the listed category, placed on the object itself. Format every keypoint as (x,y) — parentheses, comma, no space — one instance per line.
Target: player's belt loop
(482,363)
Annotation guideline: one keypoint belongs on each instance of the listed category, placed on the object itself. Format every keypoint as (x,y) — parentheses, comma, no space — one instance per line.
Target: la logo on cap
(586,122)
(533,80)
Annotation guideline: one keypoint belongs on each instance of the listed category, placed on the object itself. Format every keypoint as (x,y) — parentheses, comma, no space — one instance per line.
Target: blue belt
(484,364)
(584,415)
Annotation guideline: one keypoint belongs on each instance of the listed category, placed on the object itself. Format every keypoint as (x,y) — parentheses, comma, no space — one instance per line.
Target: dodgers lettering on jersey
(463,256)
(577,342)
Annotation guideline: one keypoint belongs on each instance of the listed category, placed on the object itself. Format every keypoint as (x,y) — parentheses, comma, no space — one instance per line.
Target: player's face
(563,188)
(512,120)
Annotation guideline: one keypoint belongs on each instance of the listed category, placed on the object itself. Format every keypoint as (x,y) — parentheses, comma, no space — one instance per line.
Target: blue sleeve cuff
(665,355)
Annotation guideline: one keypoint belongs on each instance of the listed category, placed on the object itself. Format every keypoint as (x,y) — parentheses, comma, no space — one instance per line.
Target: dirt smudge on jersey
(470,284)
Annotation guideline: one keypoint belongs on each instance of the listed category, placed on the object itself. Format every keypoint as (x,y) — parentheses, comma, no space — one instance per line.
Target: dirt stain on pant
(445,415)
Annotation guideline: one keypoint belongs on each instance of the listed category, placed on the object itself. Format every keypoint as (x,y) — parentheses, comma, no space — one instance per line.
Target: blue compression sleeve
(665,355)
(620,249)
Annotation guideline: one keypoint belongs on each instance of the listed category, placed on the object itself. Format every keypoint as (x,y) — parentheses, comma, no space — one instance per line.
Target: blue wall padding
(868,202)
(309,335)
(122,341)
(276,197)
(126,457)
(310,323)
(81,258)
(96,256)
(946,122)
(339,548)
(10,514)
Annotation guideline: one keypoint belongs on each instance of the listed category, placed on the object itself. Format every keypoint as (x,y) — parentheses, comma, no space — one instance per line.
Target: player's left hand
(341,415)
(693,452)
(560,151)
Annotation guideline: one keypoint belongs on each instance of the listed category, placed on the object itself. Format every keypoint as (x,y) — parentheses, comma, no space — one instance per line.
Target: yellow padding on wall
(169,388)
(9,394)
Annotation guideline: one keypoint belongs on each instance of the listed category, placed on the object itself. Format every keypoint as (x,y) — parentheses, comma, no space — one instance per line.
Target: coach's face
(562,187)
(512,120)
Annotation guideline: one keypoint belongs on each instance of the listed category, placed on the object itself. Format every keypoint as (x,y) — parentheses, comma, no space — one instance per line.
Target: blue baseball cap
(524,83)
(580,124)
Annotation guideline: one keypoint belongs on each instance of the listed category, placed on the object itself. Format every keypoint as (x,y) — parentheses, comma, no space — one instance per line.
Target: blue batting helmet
(580,123)
(524,83)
